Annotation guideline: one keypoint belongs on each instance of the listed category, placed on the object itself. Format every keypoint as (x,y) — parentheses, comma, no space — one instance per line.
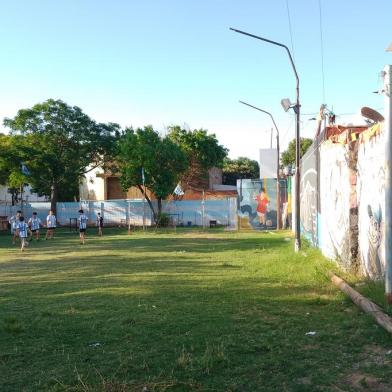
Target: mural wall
(334,202)
(371,202)
(343,197)
(309,195)
(257,203)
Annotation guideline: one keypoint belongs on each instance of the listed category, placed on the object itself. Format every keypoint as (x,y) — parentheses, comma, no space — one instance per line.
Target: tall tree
(288,156)
(59,144)
(241,167)
(10,167)
(161,159)
(203,152)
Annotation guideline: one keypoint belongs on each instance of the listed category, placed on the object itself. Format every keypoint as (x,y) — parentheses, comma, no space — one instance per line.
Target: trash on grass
(95,344)
(310,333)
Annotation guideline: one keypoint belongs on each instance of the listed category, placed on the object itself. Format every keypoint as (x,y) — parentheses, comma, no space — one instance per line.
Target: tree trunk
(154,214)
(53,199)
(159,206)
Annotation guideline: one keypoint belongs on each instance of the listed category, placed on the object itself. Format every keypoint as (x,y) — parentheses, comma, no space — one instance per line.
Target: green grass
(184,311)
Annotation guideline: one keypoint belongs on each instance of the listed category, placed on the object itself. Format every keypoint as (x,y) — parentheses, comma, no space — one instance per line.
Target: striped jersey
(34,223)
(51,221)
(22,227)
(82,221)
(14,222)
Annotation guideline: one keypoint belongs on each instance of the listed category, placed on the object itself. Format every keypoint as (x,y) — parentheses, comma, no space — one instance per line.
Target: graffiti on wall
(335,202)
(257,203)
(309,195)
(371,209)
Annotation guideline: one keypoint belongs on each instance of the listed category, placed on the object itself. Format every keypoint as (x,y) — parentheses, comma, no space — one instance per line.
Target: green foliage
(163,162)
(203,152)
(288,156)
(199,146)
(241,167)
(163,220)
(58,143)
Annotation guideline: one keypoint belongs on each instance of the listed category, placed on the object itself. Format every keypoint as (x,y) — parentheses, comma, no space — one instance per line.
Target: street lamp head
(286,104)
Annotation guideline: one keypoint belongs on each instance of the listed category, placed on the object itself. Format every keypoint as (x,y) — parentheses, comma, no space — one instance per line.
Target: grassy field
(185,311)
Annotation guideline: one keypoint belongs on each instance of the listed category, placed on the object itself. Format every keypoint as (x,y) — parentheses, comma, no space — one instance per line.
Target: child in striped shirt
(22,231)
(14,222)
(34,224)
(82,226)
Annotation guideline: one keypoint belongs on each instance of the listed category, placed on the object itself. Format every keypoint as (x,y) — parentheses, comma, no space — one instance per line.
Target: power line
(322,49)
(290,30)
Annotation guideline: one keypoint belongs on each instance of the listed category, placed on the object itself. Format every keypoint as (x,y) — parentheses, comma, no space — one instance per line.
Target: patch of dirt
(363,382)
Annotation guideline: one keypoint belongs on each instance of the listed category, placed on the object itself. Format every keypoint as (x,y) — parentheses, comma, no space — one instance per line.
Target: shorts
(261,213)
(82,230)
(34,231)
(51,228)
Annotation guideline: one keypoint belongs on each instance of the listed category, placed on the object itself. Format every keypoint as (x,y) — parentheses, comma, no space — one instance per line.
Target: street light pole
(278,212)
(297,246)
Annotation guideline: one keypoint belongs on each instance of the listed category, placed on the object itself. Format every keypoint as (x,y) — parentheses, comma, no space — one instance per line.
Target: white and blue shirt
(23,227)
(51,221)
(14,222)
(34,223)
(82,221)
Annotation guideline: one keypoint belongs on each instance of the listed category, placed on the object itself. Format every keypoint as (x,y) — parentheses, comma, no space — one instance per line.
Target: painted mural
(309,195)
(335,202)
(343,198)
(371,203)
(257,203)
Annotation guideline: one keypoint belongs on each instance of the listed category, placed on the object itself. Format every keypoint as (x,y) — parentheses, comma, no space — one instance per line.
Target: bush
(163,220)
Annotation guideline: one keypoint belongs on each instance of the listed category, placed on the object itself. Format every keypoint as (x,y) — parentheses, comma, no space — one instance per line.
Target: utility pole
(296,107)
(388,181)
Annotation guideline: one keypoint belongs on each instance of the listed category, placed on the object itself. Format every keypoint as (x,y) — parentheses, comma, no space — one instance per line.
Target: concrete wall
(371,205)
(93,186)
(343,198)
(334,202)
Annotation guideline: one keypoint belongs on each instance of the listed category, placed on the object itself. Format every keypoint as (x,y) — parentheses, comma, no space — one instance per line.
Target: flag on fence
(24,169)
(178,190)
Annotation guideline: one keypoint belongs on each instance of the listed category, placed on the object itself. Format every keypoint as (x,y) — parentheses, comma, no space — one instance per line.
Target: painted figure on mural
(262,205)
(374,235)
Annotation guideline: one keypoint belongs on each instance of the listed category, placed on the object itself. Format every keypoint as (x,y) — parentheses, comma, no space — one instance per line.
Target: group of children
(26,231)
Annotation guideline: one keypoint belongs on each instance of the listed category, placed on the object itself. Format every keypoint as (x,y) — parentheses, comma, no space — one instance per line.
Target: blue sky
(176,62)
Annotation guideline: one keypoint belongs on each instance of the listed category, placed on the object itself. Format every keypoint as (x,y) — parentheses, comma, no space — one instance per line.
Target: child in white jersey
(82,226)
(14,222)
(34,224)
(51,225)
(99,223)
(23,230)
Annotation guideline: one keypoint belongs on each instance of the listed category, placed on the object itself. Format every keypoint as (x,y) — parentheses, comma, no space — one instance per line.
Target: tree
(161,159)
(202,150)
(59,144)
(10,167)
(288,156)
(241,167)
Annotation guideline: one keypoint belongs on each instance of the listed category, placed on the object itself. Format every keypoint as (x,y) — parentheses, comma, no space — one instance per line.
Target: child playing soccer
(34,224)
(14,222)
(99,224)
(82,226)
(51,225)
(22,231)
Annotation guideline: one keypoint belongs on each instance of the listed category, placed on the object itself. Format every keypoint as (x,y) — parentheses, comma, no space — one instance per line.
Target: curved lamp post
(278,212)
(296,108)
